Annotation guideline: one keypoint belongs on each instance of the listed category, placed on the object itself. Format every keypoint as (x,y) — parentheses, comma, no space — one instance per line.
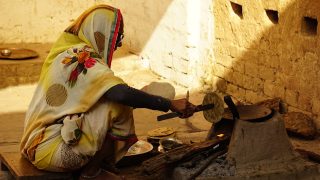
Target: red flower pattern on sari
(85,59)
(89,62)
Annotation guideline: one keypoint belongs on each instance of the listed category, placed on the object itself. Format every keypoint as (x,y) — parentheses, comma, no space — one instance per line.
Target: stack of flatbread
(161,132)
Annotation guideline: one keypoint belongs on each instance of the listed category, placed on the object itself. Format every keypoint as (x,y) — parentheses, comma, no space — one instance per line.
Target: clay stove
(259,149)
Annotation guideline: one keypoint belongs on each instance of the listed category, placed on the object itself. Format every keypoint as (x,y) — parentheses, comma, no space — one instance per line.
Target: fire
(220,135)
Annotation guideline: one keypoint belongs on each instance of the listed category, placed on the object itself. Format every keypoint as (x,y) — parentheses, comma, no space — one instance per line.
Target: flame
(220,135)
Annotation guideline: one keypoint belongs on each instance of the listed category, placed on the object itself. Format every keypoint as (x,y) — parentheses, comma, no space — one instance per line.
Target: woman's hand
(182,107)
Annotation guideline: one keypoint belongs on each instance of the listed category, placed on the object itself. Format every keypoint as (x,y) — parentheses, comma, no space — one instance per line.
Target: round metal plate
(213,115)
(251,113)
(140,147)
(17,53)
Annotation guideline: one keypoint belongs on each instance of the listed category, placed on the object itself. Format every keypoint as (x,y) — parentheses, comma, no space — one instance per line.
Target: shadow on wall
(266,49)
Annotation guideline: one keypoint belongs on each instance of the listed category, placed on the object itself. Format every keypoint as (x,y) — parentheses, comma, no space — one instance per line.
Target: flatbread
(162,131)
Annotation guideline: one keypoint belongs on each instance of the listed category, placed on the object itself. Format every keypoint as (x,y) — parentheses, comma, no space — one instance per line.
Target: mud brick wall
(265,49)
(174,37)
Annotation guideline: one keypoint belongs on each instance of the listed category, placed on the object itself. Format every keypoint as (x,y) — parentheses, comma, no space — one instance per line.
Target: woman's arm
(129,96)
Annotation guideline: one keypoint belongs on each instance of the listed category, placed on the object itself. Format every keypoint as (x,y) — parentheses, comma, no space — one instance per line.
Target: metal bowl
(6,52)
(169,143)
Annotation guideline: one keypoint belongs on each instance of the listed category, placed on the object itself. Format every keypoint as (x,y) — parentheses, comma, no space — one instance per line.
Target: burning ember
(220,135)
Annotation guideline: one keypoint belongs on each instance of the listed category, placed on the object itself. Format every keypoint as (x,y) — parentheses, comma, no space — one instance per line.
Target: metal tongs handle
(232,107)
(174,114)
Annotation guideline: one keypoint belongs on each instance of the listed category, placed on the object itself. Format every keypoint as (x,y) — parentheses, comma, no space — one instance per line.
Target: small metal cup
(6,52)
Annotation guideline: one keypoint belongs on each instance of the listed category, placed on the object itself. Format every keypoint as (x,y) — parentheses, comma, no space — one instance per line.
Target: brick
(316,106)
(235,51)
(273,90)
(254,97)
(267,73)
(311,57)
(251,56)
(272,61)
(232,89)
(224,60)
(229,76)
(239,66)
(164,71)
(291,97)
(183,79)
(221,50)
(251,69)
(236,78)
(304,102)
(280,79)
(235,91)
(241,93)
(181,65)
(251,96)
(253,83)
(167,60)
(306,88)
(292,83)
(219,83)
(220,70)
(286,67)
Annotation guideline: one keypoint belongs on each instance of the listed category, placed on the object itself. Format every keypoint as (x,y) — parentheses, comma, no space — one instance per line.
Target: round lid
(253,113)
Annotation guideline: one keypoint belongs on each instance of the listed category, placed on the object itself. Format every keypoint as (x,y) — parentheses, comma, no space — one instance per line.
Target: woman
(81,114)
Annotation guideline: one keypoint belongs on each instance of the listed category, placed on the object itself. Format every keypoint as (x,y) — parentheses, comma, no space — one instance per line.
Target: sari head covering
(89,27)
(75,74)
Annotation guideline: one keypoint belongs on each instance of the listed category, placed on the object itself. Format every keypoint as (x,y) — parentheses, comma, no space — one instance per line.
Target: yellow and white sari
(67,121)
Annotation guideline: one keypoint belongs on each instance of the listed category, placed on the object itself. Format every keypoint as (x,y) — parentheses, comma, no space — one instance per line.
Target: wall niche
(309,26)
(237,9)
(273,16)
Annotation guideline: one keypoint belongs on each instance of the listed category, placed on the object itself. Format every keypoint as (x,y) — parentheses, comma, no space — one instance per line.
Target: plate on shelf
(17,53)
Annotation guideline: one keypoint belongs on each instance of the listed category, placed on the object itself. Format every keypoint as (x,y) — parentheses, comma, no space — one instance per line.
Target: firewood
(310,155)
(162,162)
